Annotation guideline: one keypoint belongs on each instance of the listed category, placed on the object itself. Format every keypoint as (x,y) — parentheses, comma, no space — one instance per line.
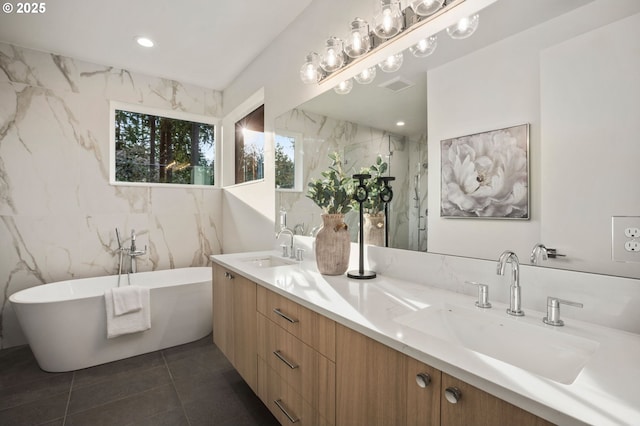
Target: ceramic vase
(374,229)
(333,245)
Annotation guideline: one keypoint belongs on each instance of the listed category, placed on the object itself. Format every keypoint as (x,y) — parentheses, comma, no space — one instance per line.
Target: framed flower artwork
(486,175)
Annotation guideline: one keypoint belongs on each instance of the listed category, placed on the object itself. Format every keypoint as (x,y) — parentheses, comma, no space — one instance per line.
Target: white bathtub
(65,322)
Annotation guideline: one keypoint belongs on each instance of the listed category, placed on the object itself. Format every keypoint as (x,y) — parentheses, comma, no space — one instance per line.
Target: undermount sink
(538,349)
(269,261)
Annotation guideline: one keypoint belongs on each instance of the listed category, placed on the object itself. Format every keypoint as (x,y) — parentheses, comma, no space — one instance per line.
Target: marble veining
(58,212)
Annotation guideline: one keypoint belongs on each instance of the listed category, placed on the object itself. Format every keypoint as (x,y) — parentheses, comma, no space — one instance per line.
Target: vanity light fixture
(344,87)
(392,29)
(333,57)
(311,72)
(426,7)
(366,76)
(388,20)
(464,28)
(359,41)
(392,63)
(424,47)
(144,41)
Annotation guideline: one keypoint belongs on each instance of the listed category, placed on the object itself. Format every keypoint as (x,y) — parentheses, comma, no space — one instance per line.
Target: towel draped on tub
(128,310)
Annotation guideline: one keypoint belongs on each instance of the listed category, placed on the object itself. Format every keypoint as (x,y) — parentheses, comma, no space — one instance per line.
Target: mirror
(568,69)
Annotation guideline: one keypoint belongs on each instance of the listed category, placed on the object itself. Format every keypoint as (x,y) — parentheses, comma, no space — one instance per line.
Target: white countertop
(606,392)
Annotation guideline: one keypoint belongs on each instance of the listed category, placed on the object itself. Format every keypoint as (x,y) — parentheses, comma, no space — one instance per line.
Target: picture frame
(486,175)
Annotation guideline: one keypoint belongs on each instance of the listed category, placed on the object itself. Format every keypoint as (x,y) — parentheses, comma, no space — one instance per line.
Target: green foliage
(285,168)
(373,204)
(333,192)
(144,154)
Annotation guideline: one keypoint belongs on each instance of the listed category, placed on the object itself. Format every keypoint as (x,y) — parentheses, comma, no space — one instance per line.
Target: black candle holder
(360,195)
(386,195)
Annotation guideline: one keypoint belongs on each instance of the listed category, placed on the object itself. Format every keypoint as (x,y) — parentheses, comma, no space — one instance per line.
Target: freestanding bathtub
(66,327)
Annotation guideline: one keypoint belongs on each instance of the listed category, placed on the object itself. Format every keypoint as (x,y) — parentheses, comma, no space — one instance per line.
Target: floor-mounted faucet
(134,252)
(515,302)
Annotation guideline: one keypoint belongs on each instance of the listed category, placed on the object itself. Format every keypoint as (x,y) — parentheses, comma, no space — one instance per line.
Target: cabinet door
(245,350)
(223,311)
(423,394)
(370,385)
(476,407)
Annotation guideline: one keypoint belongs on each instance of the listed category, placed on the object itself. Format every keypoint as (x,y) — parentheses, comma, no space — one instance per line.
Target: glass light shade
(388,20)
(392,63)
(424,47)
(366,76)
(310,72)
(333,58)
(358,42)
(344,87)
(464,28)
(426,7)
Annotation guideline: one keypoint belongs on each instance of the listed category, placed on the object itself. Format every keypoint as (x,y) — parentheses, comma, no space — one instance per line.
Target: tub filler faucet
(132,252)
(515,301)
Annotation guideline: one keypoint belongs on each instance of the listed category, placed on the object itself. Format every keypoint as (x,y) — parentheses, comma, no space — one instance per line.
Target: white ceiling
(207,43)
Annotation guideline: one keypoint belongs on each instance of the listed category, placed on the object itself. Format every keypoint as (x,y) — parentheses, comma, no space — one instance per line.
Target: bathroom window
(249,147)
(157,147)
(288,161)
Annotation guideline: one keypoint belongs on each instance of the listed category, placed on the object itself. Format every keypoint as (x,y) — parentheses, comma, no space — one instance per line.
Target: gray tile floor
(192,384)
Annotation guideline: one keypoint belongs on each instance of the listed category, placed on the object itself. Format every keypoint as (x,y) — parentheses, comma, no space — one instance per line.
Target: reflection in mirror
(569,68)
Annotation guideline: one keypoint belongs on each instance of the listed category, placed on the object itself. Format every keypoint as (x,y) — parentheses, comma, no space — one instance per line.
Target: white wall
(591,155)
(58,213)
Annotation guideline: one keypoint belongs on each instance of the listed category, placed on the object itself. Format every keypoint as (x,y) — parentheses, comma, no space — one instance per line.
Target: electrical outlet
(632,232)
(632,246)
(625,238)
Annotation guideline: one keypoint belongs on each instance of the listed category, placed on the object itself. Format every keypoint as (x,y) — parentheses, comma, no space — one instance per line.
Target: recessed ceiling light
(400,123)
(144,41)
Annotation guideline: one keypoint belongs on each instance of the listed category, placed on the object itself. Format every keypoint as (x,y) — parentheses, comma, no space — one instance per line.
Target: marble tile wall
(58,212)
(359,147)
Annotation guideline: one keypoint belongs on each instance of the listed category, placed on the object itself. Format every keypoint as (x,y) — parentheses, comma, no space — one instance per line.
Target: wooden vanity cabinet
(376,384)
(476,407)
(296,367)
(309,370)
(234,322)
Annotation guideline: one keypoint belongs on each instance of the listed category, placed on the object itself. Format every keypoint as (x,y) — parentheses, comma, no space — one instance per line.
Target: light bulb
(426,7)
(366,76)
(388,21)
(333,58)
(424,47)
(464,27)
(310,71)
(359,42)
(344,87)
(392,63)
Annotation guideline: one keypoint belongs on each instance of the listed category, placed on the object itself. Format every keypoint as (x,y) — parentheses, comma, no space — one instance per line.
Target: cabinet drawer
(309,373)
(313,329)
(283,401)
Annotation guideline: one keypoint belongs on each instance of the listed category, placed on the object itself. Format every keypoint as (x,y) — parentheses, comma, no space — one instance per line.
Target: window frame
(298,158)
(174,114)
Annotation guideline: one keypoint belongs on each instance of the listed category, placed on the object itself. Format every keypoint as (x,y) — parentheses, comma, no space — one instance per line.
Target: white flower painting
(486,175)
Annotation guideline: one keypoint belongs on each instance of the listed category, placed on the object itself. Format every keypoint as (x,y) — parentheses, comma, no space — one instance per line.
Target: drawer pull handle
(279,312)
(286,361)
(292,419)
(423,379)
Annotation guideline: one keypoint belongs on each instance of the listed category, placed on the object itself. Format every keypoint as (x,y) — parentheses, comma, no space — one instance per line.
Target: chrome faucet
(134,252)
(290,252)
(539,250)
(515,301)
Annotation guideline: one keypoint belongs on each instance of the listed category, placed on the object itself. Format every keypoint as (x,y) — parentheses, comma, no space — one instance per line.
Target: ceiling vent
(397,84)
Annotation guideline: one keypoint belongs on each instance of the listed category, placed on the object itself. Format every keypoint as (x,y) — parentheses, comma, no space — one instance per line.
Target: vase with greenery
(333,193)
(373,207)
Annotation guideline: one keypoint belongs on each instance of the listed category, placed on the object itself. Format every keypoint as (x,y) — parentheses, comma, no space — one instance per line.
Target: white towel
(132,322)
(126,300)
